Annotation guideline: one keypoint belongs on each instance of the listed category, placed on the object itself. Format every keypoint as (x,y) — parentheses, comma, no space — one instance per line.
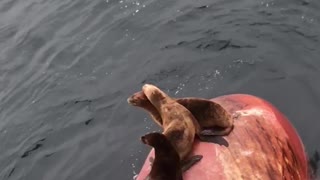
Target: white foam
(250,112)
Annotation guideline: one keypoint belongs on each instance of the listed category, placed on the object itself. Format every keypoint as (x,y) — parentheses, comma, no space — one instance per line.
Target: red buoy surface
(262,145)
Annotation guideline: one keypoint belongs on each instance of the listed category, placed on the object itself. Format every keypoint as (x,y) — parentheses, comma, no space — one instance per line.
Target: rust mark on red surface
(262,145)
(262,129)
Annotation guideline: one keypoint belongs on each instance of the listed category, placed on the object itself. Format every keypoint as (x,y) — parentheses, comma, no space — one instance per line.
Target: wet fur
(209,115)
(178,123)
(166,164)
(139,99)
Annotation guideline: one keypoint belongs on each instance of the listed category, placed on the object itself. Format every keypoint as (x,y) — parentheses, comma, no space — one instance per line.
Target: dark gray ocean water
(68,66)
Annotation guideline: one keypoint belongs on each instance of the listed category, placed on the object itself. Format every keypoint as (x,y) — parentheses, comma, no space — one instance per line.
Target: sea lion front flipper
(188,163)
(216,131)
(208,113)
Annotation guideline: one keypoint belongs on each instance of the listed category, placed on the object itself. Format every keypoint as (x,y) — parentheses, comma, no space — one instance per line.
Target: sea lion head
(166,164)
(154,94)
(156,140)
(138,99)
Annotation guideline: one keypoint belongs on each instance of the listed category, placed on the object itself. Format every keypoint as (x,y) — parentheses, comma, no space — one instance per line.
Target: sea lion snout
(132,101)
(149,89)
(154,139)
(145,86)
(154,94)
(144,140)
(138,99)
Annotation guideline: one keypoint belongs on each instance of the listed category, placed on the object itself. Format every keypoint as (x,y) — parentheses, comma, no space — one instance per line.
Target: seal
(212,118)
(166,164)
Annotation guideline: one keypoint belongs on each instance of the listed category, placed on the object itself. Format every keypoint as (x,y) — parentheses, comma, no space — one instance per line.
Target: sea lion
(212,117)
(139,99)
(166,164)
(179,125)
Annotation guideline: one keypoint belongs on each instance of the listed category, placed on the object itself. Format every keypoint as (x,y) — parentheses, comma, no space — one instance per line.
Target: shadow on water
(314,164)
(67,67)
(35,147)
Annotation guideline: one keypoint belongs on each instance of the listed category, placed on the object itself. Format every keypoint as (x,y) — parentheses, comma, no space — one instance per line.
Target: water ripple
(67,67)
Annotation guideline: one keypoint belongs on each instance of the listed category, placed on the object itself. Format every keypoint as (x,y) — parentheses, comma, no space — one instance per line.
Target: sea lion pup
(179,125)
(212,117)
(166,164)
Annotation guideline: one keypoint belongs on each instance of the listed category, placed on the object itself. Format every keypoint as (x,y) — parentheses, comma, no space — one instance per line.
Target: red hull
(262,145)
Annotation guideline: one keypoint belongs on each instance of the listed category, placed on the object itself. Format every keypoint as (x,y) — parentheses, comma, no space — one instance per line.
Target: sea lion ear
(206,112)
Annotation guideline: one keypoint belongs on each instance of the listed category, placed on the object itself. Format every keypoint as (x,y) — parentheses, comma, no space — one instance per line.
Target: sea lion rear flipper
(188,163)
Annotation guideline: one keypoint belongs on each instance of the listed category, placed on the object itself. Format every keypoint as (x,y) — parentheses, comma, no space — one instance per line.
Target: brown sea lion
(212,117)
(180,126)
(166,164)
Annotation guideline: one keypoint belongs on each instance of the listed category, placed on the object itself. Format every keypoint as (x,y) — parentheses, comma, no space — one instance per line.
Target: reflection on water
(67,68)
